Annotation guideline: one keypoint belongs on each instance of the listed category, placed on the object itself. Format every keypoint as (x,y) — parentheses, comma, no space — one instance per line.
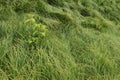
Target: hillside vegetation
(59,39)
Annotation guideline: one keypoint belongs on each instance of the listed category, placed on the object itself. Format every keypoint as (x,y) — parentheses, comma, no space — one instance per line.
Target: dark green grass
(82,40)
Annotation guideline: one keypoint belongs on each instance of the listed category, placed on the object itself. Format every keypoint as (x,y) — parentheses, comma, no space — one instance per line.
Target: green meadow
(59,39)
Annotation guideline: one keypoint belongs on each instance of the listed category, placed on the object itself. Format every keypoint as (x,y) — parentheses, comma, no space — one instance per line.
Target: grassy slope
(82,41)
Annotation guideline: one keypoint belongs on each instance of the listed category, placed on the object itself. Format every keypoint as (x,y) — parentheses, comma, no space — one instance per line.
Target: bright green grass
(81,41)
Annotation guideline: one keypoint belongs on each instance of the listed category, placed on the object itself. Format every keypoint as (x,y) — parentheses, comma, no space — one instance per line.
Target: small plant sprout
(37,30)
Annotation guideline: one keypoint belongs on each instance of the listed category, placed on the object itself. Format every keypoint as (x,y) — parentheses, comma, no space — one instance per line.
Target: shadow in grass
(63,17)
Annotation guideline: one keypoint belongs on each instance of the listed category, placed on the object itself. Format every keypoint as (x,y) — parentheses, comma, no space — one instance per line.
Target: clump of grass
(55,2)
(63,17)
(98,24)
(6,12)
(85,12)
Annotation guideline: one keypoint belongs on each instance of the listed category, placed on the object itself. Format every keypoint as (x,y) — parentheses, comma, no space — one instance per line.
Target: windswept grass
(59,40)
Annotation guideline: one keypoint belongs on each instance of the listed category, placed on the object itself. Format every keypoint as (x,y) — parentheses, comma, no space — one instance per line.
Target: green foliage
(59,40)
(55,2)
(35,31)
(6,12)
(98,24)
(63,17)
(85,12)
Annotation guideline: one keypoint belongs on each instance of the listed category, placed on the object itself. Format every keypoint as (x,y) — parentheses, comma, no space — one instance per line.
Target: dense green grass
(74,40)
